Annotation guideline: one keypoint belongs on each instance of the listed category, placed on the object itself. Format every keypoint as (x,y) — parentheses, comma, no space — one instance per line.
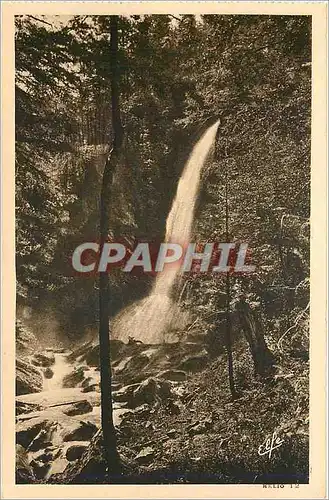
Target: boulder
(79,408)
(83,432)
(117,346)
(74,378)
(173,375)
(145,455)
(87,382)
(194,363)
(125,394)
(36,432)
(90,384)
(75,451)
(48,373)
(89,468)
(150,391)
(28,430)
(92,356)
(89,352)
(81,351)
(43,359)
(28,378)
(40,469)
(42,440)
(45,456)
(136,364)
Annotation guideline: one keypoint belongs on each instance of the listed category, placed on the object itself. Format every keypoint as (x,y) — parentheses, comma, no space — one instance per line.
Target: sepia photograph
(162,248)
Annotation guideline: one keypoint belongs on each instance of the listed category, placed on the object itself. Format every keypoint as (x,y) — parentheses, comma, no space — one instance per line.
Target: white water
(155,318)
(61,367)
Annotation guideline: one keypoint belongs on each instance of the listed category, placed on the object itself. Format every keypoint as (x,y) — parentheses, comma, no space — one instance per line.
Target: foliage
(253,72)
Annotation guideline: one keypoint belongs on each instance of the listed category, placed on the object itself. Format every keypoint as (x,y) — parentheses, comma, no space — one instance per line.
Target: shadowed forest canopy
(176,73)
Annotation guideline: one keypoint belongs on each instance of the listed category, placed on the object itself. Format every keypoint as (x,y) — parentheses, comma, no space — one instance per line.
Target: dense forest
(177,74)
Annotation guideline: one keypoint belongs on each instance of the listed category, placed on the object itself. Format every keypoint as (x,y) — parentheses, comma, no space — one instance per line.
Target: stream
(63,419)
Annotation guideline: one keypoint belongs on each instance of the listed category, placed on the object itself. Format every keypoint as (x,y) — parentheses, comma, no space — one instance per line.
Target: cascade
(153,318)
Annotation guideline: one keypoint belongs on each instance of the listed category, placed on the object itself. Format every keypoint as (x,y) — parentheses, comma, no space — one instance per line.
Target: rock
(150,391)
(117,346)
(126,417)
(89,352)
(149,425)
(28,430)
(44,359)
(194,363)
(91,388)
(22,407)
(23,470)
(40,469)
(173,375)
(42,440)
(28,378)
(52,449)
(142,411)
(87,382)
(92,356)
(125,394)
(136,364)
(48,372)
(125,430)
(75,452)
(145,455)
(172,433)
(172,408)
(81,351)
(79,408)
(199,427)
(74,378)
(90,468)
(90,384)
(83,432)
(45,457)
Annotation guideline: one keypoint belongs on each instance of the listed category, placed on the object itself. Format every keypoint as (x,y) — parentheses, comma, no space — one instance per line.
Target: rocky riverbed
(58,398)
(174,416)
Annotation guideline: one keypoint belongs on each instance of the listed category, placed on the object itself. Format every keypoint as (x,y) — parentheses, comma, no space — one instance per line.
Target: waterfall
(60,368)
(153,318)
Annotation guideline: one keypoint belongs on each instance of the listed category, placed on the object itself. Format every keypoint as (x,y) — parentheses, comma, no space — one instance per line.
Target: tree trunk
(228,330)
(250,324)
(109,437)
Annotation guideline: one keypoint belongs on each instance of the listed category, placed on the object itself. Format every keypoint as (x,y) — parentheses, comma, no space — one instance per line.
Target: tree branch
(40,20)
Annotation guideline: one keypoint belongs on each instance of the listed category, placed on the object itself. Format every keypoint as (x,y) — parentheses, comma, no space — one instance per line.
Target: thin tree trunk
(228,300)
(109,437)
